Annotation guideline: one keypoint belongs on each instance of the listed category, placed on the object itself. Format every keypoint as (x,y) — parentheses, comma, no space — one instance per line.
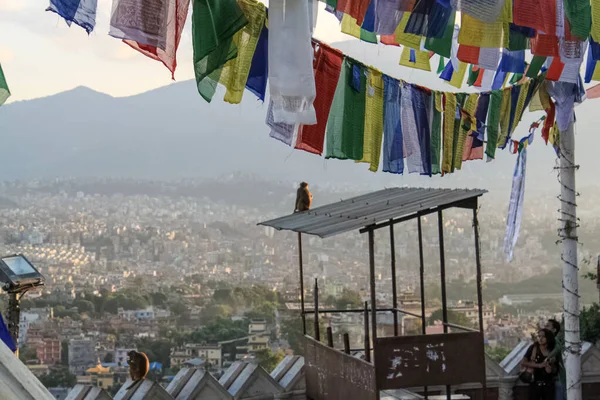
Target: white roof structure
(17,381)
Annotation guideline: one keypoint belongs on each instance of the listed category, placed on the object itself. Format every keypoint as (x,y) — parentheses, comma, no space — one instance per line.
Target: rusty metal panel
(333,375)
(429,360)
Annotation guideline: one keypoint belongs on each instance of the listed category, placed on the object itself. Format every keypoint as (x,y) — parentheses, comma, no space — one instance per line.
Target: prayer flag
(259,70)
(79,12)
(4,90)
(393,147)
(373,119)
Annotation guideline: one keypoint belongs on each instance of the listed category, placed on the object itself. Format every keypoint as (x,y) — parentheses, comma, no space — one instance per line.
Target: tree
(497,353)
(269,360)
(64,352)
(455,318)
(27,354)
(265,311)
(109,357)
(350,298)
(157,350)
(590,323)
(60,377)
(84,306)
(291,329)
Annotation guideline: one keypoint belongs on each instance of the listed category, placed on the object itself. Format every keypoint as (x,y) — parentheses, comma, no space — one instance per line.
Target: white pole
(568,233)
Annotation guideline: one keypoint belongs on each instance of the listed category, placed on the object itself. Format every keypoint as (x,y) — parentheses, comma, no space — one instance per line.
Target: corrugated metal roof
(355,213)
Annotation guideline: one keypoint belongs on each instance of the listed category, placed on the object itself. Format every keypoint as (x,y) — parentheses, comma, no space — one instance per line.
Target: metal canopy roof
(370,209)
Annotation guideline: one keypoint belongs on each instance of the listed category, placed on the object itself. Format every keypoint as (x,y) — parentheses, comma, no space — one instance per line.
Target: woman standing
(542,385)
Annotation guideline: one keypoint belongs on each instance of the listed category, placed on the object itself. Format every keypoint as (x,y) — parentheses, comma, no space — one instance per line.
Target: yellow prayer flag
(421,59)
(469,108)
(350,27)
(438,101)
(595,21)
(407,39)
(521,104)
(235,72)
(504,117)
(458,77)
(596,74)
(373,120)
(474,32)
(448,139)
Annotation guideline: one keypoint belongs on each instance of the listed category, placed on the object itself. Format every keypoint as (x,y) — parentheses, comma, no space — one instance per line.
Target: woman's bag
(526,374)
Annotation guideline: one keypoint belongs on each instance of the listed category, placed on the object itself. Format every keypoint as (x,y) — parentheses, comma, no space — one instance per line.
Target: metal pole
(478,266)
(373,296)
(301,283)
(422,281)
(346,343)
(329,337)
(14,315)
(367,339)
(479,283)
(568,235)
(422,277)
(316,298)
(443,283)
(394,290)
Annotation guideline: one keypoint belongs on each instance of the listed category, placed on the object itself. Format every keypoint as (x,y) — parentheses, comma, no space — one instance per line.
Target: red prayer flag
(527,13)
(327,66)
(555,70)
(357,9)
(174,28)
(390,40)
(468,54)
(479,79)
(549,121)
(544,45)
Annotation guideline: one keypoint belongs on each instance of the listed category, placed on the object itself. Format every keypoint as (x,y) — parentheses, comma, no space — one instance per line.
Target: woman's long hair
(550,339)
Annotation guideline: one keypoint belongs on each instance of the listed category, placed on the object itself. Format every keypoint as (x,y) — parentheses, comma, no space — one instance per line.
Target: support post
(329,337)
(568,235)
(478,267)
(443,283)
(394,290)
(316,298)
(301,283)
(346,343)
(14,315)
(479,282)
(373,296)
(422,277)
(366,334)
(422,282)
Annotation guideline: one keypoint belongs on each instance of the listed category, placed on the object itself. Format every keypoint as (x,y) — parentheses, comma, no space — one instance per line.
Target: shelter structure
(396,362)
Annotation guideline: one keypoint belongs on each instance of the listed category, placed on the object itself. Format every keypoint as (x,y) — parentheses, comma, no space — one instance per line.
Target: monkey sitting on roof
(303,198)
(138,366)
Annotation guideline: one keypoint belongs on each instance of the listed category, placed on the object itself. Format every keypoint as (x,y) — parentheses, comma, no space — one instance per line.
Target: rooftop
(372,209)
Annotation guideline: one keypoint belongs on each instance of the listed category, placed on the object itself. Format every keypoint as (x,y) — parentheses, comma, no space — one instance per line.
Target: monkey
(303,198)
(138,366)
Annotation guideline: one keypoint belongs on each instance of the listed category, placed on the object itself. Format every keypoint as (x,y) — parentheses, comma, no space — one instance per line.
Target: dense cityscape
(182,272)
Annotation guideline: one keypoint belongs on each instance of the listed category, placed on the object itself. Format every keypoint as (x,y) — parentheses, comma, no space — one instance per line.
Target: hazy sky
(41,55)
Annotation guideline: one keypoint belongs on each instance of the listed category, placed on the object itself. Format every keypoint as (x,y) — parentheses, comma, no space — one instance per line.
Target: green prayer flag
(579,14)
(214,22)
(369,37)
(441,65)
(4,90)
(443,45)
(335,122)
(493,122)
(515,78)
(354,111)
(460,103)
(473,75)
(536,65)
(517,41)
(331,3)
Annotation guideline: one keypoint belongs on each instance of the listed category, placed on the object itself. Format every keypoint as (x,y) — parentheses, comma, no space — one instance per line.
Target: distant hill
(171,133)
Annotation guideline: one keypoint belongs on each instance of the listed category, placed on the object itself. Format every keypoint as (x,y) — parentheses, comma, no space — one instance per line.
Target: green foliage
(269,360)
(265,311)
(453,318)
(350,298)
(84,306)
(156,350)
(27,354)
(497,353)
(221,330)
(60,377)
(211,313)
(590,323)
(64,353)
(291,330)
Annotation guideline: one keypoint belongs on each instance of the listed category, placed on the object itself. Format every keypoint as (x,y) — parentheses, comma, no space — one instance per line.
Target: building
(82,356)
(258,327)
(256,343)
(98,376)
(145,313)
(25,319)
(49,351)
(121,355)
(471,311)
(210,353)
